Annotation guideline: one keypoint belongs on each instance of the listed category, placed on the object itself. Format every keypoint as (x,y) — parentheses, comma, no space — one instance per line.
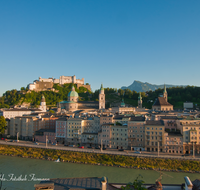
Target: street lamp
(193,149)
(46,140)
(17,136)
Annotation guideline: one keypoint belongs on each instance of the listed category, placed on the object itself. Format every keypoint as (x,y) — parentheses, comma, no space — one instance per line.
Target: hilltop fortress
(47,84)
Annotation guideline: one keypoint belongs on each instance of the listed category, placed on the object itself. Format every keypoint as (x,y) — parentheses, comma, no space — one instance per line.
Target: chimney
(188,183)
(103,183)
(158,185)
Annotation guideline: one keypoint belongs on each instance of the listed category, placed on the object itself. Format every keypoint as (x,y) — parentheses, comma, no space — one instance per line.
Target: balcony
(76,132)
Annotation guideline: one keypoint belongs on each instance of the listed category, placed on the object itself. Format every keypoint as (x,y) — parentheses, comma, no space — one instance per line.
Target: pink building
(61,129)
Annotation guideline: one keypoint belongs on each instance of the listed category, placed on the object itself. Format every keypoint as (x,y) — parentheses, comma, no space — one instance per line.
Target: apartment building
(61,130)
(23,127)
(136,133)
(154,135)
(91,124)
(89,139)
(119,136)
(45,135)
(74,131)
(104,136)
(104,119)
(173,142)
(190,129)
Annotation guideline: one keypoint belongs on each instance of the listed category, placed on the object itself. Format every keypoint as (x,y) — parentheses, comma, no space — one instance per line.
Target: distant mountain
(143,87)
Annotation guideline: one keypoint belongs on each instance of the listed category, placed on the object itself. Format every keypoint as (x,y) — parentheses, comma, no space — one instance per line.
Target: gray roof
(140,118)
(75,183)
(150,122)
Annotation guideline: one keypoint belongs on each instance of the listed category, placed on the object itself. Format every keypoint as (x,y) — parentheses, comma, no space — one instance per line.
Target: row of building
(169,133)
(160,129)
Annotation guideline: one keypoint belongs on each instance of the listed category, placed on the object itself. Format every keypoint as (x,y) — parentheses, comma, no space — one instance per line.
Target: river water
(32,170)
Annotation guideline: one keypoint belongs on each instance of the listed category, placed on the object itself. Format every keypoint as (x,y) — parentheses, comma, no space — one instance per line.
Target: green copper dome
(122,103)
(73,93)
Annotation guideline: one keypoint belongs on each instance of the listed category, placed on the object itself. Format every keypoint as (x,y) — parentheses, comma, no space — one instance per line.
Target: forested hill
(14,97)
(176,96)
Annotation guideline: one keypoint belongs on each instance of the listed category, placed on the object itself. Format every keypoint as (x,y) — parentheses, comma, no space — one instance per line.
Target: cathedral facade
(72,104)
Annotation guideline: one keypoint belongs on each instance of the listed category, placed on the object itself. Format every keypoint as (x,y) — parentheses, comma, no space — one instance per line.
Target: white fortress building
(47,83)
(63,80)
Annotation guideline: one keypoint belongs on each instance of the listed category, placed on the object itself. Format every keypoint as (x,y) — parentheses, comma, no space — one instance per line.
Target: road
(90,150)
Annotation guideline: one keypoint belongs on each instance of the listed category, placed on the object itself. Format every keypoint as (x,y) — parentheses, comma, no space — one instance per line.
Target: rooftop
(160,101)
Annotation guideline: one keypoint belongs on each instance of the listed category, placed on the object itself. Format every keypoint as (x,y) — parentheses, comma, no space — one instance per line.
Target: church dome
(73,93)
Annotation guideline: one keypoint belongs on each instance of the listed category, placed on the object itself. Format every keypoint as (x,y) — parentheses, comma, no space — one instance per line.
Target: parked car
(185,155)
(54,144)
(81,146)
(137,152)
(37,143)
(71,145)
(121,149)
(104,148)
(97,147)
(65,144)
(89,147)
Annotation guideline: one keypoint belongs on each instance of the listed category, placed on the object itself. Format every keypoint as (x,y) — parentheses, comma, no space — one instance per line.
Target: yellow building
(154,135)
(190,129)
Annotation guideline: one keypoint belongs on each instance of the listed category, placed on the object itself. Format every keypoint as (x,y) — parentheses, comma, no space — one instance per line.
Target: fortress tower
(101,98)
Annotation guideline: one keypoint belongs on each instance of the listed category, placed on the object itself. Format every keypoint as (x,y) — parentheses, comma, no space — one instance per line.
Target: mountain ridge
(139,86)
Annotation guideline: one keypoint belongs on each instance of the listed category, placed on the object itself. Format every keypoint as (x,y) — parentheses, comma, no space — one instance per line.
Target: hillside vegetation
(93,158)
(176,96)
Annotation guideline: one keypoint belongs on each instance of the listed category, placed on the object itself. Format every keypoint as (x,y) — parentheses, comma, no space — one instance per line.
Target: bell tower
(140,101)
(165,93)
(101,98)
(43,106)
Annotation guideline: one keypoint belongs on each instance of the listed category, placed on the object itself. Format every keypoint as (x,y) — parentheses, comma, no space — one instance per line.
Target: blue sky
(104,41)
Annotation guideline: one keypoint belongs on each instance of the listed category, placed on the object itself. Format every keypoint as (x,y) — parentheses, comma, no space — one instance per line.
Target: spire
(165,93)
(73,89)
(102,87)
(43,98)
(139,97)
(165,88)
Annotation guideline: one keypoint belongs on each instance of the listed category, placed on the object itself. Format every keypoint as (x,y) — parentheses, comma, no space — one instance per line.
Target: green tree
(2,125)
(51,111)
(137,184)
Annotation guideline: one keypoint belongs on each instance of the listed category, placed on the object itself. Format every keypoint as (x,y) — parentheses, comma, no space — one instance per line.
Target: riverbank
(103,159)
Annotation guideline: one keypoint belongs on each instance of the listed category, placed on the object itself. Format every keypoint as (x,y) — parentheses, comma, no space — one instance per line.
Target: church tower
(101,98)
(140,101)
(43,106)
(165,93)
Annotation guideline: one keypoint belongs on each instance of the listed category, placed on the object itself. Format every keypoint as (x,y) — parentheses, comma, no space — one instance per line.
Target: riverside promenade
(90,150)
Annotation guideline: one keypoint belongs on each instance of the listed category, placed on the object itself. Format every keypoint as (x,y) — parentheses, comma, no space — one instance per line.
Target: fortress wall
(45,80)
(80,81)
(57,81)
(64,79)
(43,85)
(86,86)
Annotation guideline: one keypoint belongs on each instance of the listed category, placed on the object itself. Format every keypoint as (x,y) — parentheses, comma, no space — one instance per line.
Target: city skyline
(107,42)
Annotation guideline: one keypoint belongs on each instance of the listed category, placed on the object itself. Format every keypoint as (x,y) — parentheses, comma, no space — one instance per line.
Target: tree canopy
(2,124)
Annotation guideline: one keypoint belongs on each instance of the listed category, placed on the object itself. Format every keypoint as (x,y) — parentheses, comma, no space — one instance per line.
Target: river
(27,168)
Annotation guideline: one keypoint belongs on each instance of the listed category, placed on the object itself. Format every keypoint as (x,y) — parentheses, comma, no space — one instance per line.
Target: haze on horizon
(111,42)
